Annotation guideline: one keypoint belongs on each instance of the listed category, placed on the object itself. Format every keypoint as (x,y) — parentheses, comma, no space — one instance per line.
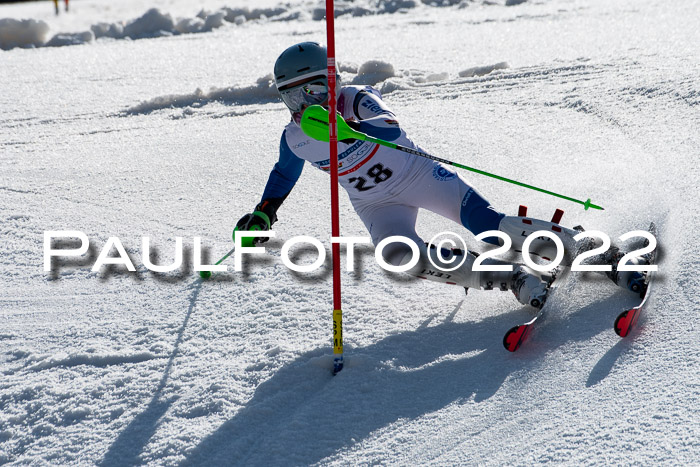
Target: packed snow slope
(169,134)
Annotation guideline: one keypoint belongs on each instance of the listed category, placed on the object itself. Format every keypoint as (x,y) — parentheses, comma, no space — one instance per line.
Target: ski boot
(529,287)
(634,281)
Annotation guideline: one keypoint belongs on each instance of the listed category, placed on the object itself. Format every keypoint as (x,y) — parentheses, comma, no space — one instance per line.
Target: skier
(387,187)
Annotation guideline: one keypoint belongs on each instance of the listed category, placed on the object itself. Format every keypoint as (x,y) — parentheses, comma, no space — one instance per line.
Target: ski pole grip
(246,242)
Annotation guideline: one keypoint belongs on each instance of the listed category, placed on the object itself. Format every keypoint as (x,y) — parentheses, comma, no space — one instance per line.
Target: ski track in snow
(121,138)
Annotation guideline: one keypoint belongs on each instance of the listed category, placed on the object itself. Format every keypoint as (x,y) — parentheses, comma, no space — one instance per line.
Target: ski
(626,321)
(518,334)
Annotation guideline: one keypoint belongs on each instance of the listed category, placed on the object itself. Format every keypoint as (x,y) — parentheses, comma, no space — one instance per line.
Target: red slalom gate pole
(335,217)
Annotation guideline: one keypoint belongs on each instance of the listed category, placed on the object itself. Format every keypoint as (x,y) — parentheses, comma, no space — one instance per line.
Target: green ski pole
(245,242)
(314,123)
(207,274)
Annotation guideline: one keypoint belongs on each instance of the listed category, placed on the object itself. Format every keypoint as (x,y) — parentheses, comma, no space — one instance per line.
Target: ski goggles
(315,91)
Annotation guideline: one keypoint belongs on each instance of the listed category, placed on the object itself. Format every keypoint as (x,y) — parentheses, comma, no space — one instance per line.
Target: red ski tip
(626,321)
(515,337)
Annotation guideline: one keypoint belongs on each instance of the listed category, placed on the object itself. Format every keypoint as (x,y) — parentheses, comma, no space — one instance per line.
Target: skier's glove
(262,218)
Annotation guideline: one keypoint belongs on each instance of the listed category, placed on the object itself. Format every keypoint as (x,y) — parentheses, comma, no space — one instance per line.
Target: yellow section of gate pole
(337,331)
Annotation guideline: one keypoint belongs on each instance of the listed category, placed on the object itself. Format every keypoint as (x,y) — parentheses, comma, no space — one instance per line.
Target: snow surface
(174,136)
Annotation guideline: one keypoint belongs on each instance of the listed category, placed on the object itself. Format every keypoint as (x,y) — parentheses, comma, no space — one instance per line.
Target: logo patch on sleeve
(441,174)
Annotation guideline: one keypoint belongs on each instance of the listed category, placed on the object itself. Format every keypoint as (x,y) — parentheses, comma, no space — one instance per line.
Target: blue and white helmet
(301,76)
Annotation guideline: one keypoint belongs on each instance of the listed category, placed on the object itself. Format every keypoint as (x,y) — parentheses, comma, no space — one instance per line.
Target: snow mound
(377,73)
(59,40)
(203,22)
(366,8)
(347,68)
(263,92)
(241,15)
(22,33)
(373,72)
(153,23)
(156,23)
(113,30)
(482,70)
(91,359)
(384,76)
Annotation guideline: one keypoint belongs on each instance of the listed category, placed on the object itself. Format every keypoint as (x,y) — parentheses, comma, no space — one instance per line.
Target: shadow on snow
(302,414)
(128,446)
